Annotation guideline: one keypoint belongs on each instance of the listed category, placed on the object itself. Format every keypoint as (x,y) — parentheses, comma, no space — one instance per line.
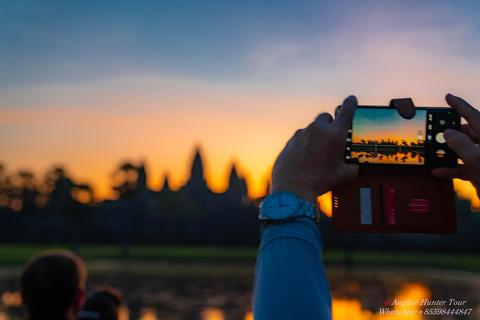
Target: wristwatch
(283,206)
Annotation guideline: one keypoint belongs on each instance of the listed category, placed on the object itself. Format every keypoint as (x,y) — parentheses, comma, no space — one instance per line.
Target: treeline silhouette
(58,210)
(389,142)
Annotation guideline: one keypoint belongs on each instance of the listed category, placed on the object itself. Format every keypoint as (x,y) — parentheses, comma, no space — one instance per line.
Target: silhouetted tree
(131,186)
(126,177)
(71,202)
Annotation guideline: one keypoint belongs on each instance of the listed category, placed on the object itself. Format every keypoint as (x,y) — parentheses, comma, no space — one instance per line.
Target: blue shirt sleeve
(290,281)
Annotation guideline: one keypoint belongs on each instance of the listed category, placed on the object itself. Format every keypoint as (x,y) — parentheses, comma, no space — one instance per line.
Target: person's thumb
(461,144)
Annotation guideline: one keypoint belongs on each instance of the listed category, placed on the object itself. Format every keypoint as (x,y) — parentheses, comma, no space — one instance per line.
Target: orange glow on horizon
(256,178)
(381,137)
(91,138)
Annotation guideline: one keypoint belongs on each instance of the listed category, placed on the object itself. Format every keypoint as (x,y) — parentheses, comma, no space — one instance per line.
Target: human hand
(465,144)
(312,162)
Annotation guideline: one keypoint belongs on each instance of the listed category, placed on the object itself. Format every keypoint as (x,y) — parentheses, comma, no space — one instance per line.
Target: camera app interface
(382,136)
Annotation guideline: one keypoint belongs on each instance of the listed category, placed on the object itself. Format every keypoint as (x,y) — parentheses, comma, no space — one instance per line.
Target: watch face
(279,206)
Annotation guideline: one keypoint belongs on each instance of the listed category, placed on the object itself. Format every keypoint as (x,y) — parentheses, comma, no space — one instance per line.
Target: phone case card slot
(366,206)
(390,209)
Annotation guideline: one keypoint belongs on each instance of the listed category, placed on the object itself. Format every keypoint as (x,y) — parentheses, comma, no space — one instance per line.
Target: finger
(404,107)
(462,145)
(324,118)
(469,132)
(345,115)
(465,110)
(450,173)
(295,137)
(317,125)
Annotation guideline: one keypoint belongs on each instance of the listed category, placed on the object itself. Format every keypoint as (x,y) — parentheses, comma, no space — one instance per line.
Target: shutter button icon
(440,138)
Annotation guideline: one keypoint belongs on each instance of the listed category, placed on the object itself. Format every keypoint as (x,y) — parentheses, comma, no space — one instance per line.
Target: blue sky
(201,39)
(232,41)
(90,83)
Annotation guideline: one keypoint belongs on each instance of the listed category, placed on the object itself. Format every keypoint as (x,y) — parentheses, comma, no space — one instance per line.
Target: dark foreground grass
(451,261)
(17,254)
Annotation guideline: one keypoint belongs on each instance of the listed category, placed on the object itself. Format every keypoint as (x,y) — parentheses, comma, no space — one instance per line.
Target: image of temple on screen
(383,136)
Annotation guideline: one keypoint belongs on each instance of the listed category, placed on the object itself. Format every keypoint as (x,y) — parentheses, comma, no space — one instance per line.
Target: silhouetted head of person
(53,285)
(102,304)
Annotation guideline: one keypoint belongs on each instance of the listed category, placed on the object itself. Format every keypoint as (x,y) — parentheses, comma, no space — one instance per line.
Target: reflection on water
(213,314)
(410,292)
(4,316)
(11,299)
(355,297)
(385,157)
(148,314)
(123,313)
(351,309)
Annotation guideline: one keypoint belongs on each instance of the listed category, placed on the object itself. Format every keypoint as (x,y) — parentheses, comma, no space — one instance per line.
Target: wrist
(303,193)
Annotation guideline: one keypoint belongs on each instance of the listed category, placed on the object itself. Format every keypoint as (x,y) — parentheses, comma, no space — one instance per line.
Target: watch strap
(306,209)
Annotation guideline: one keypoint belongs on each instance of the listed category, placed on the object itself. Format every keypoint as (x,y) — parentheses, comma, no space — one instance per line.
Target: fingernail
(450,95)
(352,97)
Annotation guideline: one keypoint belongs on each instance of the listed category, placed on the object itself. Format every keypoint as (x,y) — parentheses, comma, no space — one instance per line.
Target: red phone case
(399,202)
(395,199)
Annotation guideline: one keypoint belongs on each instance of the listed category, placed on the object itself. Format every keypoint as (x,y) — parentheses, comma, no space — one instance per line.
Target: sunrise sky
(387,124)
(90,84)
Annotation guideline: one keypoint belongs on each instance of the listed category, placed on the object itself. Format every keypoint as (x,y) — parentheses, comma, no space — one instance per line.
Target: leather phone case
(421,204)
(395,199)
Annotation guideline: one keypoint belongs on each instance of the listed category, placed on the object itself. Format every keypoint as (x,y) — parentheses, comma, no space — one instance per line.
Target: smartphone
(381,136)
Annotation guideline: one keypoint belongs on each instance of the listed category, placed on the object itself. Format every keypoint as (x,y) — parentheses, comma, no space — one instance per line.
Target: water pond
(221,291)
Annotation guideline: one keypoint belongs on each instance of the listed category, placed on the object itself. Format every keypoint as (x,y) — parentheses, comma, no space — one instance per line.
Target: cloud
(380,53)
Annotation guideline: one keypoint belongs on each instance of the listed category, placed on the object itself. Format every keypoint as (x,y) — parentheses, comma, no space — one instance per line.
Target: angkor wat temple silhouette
(191,215)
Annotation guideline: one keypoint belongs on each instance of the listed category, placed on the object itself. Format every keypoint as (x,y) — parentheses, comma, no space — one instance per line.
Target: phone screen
(382,136)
